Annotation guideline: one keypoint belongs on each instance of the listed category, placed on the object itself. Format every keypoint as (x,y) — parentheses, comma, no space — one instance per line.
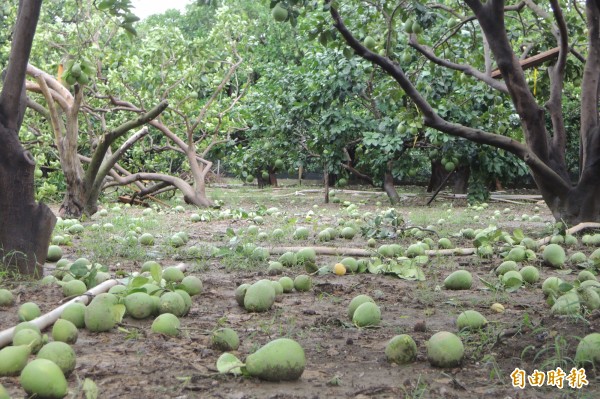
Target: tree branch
(433,120)
(464,68)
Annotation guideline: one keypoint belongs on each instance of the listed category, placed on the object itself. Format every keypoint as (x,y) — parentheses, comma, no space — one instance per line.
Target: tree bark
(388,185)
(26,225)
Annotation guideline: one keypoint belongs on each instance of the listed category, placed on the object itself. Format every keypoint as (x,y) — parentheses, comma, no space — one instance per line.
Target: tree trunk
(388,185)
(461,179)
(326,183)
(25,226)
(438,174)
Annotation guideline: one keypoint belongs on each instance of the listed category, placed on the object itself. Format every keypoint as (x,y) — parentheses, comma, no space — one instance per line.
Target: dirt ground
(342,361)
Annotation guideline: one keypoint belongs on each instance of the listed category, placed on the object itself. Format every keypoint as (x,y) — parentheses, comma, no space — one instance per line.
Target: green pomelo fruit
(568,304)
(100,314)
(372,243)
(308,258)
(529,243)
(278,290)
(507,266)
(146,239)
(530,274)
(260,254)
(445,350)
(240,293)
(557,239)
(260,296)
(48,280)
(516,254)
(27,325)
(554,255)
(6,297)
(172,302)
(370,43)
(324,236)
(570,240)
(28,337)
(302,283)
(588,351)
(277,234)
(386,251)
(348,233)
(356,302)
(64,331)
(225,339)
(401,349)
(167,324)
(485,251)
(279,13)
(75,229)
(471,320)
(288,259)
(577,258)
(280,360)
(445,243)
(3,393)
(187,300)
(274,268)
(61,354)
(172,274)
(54,253)
(468,233)
(139,305)
(74,288)
(75,313)
(366,315)
(351,264)
(550,285)
(301,233)
(414,250)
(192,285)
(585,275)
(287,283)
(252,230)
(149,264)
(29,311)
(117,289)
(13,359)
(459,280)
(589,298)
(176,241)
(42,378)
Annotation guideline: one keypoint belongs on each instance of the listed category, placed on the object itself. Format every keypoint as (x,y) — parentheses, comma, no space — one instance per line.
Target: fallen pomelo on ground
(401,349)
(60,353)
(42,378)
(280,360)
(225,339)
(13,359)
(445,350)
(167,324)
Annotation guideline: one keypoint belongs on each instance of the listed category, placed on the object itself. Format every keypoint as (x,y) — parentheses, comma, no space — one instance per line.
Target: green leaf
(156,272)
(512,284)
(90,389)
(139,281)
(118,312)
(228,363)
(518,235)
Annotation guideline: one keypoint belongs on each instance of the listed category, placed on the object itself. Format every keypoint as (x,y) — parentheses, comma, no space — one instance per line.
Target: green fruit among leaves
(42,378)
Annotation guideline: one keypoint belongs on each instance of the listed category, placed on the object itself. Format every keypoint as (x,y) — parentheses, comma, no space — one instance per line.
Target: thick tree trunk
(461,179)
(388,185)
(25,226)
(326,178)
(438,174)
